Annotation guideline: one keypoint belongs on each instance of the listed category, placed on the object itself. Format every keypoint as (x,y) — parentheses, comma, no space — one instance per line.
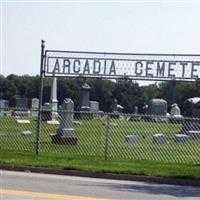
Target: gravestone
(46,113)
(157,107)
(114,110)
(26,133)
(194,135)
(94,108)
(135,116)
(84,102)
(6,103)
(132,139)
(159,138)
(191,125)
(175,111)
(23,121)
(34,107)
(22,107)
(2,107)
(182,138)
(85,97)
(135,110)
(53,100)
(192,107)
(114,106)
(120,108)
(65,133)
(22,103)
(145,109)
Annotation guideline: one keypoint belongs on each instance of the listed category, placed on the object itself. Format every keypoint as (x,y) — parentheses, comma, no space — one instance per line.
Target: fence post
(106,138)
(40,98)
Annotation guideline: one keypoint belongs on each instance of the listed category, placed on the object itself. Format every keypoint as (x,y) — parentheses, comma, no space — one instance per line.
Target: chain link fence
(104,135)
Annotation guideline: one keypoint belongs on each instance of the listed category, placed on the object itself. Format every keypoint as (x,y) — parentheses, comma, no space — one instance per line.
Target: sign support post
(40,97)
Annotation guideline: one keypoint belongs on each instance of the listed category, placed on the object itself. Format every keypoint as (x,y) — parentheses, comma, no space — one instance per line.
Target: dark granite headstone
(46,113)
(22,103)
(85,97)
(22,107)
(192,111)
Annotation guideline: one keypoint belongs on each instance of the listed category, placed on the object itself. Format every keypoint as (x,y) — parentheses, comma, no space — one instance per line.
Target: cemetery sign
(182,67)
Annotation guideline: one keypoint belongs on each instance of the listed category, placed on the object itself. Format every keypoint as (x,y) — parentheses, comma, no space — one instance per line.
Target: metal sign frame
(138,66)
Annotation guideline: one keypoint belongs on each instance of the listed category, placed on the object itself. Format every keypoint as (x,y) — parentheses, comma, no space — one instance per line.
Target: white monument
(53,100)
(34,107)
(175,111)
(65,133)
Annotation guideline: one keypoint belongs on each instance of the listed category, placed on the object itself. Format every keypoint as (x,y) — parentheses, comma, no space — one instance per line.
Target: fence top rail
(128,54)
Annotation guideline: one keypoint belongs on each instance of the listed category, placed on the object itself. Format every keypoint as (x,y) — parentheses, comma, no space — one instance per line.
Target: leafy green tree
(7,89)
(102,91)
(150,91)
(128,94)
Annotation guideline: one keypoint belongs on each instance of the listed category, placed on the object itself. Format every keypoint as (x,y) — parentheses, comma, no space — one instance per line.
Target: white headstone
(34,107)
(26,133)
(182,137)
(2,107)
(65,133)
(66,118)
(53,100)
(159,138)
(132,139)
(175,111)
(194,135)
(135,110)
(23,121)
(94,107)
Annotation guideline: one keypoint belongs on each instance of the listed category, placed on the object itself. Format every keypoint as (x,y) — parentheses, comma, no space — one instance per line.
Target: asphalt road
(35,186)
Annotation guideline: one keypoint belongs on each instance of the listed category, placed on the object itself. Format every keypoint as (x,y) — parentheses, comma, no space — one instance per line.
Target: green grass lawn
(98,164)
(144,158)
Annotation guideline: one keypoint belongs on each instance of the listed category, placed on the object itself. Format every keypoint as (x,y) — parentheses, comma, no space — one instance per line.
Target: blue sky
(147,27)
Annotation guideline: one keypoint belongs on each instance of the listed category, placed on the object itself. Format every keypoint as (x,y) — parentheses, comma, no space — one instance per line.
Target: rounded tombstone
(175,110)
(157,107)
(132,139)
(182,138)
(192,107)
(159,138)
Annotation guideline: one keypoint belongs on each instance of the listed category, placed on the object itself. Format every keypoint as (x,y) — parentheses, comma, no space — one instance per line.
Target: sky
(105,26)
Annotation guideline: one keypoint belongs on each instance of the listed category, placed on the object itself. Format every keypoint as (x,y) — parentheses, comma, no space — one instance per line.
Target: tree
(102,91)
(150,92)
(7,89)
(128,94)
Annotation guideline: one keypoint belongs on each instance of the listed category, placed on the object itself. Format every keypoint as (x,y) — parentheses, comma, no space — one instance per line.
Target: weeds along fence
(104,135)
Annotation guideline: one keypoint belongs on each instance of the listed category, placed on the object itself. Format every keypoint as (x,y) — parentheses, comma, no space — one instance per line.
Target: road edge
(150,179)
